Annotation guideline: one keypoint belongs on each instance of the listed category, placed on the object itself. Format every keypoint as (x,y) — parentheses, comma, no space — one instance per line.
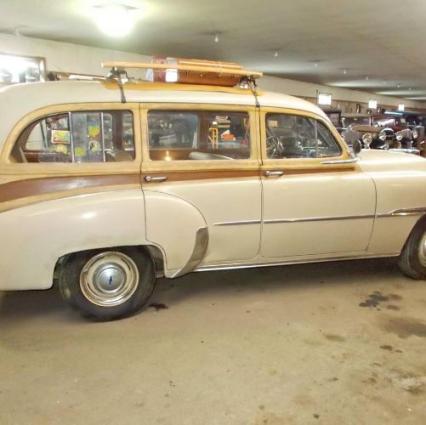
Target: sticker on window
(61,137)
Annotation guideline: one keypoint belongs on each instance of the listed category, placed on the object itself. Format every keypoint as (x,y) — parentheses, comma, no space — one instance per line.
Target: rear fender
(35,236)
(178,228)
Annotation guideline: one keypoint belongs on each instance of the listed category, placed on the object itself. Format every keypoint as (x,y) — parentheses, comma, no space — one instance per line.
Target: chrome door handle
(275,173)
(155,179)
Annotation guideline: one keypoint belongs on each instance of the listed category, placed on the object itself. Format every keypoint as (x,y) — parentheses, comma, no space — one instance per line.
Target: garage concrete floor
(338,343)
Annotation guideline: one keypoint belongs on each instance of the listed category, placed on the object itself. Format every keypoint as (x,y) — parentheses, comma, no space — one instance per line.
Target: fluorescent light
(372,104)
(172,76)
(401,107)
(115,20)
(324,99)
(19,69)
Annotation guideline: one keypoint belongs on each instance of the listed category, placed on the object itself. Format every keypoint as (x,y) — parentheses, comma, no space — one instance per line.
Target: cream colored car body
(223,214)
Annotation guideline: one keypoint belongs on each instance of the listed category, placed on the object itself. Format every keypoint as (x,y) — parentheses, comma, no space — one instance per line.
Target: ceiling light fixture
(216,38)
(345,71)
(172,76)
(276,54)
(324,99)
(372,104)
(114,19)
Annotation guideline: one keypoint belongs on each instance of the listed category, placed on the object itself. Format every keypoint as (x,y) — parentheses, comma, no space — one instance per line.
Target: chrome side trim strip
(308,219)
(340,161)
(238,223)
(410,211)
(200,249)
(291,262)
(404,212)
(397,213)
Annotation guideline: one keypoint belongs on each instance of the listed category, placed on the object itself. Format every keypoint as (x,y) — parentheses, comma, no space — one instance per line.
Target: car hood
(381,160)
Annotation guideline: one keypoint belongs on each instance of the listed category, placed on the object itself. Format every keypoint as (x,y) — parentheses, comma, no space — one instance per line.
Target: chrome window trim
(340,161)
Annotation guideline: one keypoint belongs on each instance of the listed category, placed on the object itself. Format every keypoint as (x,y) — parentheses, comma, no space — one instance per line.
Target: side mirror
(356,147)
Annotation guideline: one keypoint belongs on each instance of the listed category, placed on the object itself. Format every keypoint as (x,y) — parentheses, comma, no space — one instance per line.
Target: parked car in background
(377,132)
(409,127)
(105,185)
(362,127)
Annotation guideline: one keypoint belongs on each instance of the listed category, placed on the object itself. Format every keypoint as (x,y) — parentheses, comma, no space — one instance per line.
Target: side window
(98,136)
(295,136)
(198,135)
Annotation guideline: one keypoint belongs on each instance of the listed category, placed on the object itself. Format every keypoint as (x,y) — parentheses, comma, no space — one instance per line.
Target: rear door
(206,156)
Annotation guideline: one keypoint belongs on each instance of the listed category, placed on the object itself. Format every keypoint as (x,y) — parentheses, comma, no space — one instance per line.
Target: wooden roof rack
(192,71)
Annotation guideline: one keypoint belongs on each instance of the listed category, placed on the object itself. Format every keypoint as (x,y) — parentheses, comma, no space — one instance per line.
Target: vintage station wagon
(106,185)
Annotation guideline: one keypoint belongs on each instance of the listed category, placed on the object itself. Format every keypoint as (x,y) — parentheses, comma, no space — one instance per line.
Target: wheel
(107,284)
(412,261)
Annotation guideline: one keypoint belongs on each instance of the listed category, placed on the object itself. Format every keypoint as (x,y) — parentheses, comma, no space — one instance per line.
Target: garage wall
(345,96)
(67,57)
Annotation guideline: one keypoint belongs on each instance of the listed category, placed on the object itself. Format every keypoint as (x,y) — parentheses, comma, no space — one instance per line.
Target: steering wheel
(274,147)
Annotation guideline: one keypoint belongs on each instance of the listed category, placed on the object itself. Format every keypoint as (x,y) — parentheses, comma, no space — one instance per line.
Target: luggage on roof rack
(189,71)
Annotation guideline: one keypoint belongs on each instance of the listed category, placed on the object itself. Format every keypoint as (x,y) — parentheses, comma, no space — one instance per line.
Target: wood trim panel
(175,176)
(194,175)
(42,186)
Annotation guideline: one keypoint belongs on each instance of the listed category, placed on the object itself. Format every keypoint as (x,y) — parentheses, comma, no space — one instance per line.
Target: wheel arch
(154,252)
(420,222)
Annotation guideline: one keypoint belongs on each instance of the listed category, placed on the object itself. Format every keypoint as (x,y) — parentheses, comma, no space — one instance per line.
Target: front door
(316,200)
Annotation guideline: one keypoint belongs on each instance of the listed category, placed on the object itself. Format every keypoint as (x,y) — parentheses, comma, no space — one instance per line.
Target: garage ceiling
(369,45)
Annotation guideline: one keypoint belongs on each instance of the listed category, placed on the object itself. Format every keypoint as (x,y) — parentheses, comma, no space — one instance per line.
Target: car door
(205,157)
(316,201)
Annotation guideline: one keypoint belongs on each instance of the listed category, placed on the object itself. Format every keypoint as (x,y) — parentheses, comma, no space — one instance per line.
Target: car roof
(18,100)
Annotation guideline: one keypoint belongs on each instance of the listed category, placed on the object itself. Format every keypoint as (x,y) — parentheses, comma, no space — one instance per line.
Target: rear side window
(198,135)
(95,136)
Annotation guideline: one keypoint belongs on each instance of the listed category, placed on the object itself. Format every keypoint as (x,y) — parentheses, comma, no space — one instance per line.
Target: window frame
(302,163)
(252,162)
(10,165)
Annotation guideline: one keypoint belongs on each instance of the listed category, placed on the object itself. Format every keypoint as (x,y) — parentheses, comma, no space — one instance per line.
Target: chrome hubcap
(109,279)
(422,250)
